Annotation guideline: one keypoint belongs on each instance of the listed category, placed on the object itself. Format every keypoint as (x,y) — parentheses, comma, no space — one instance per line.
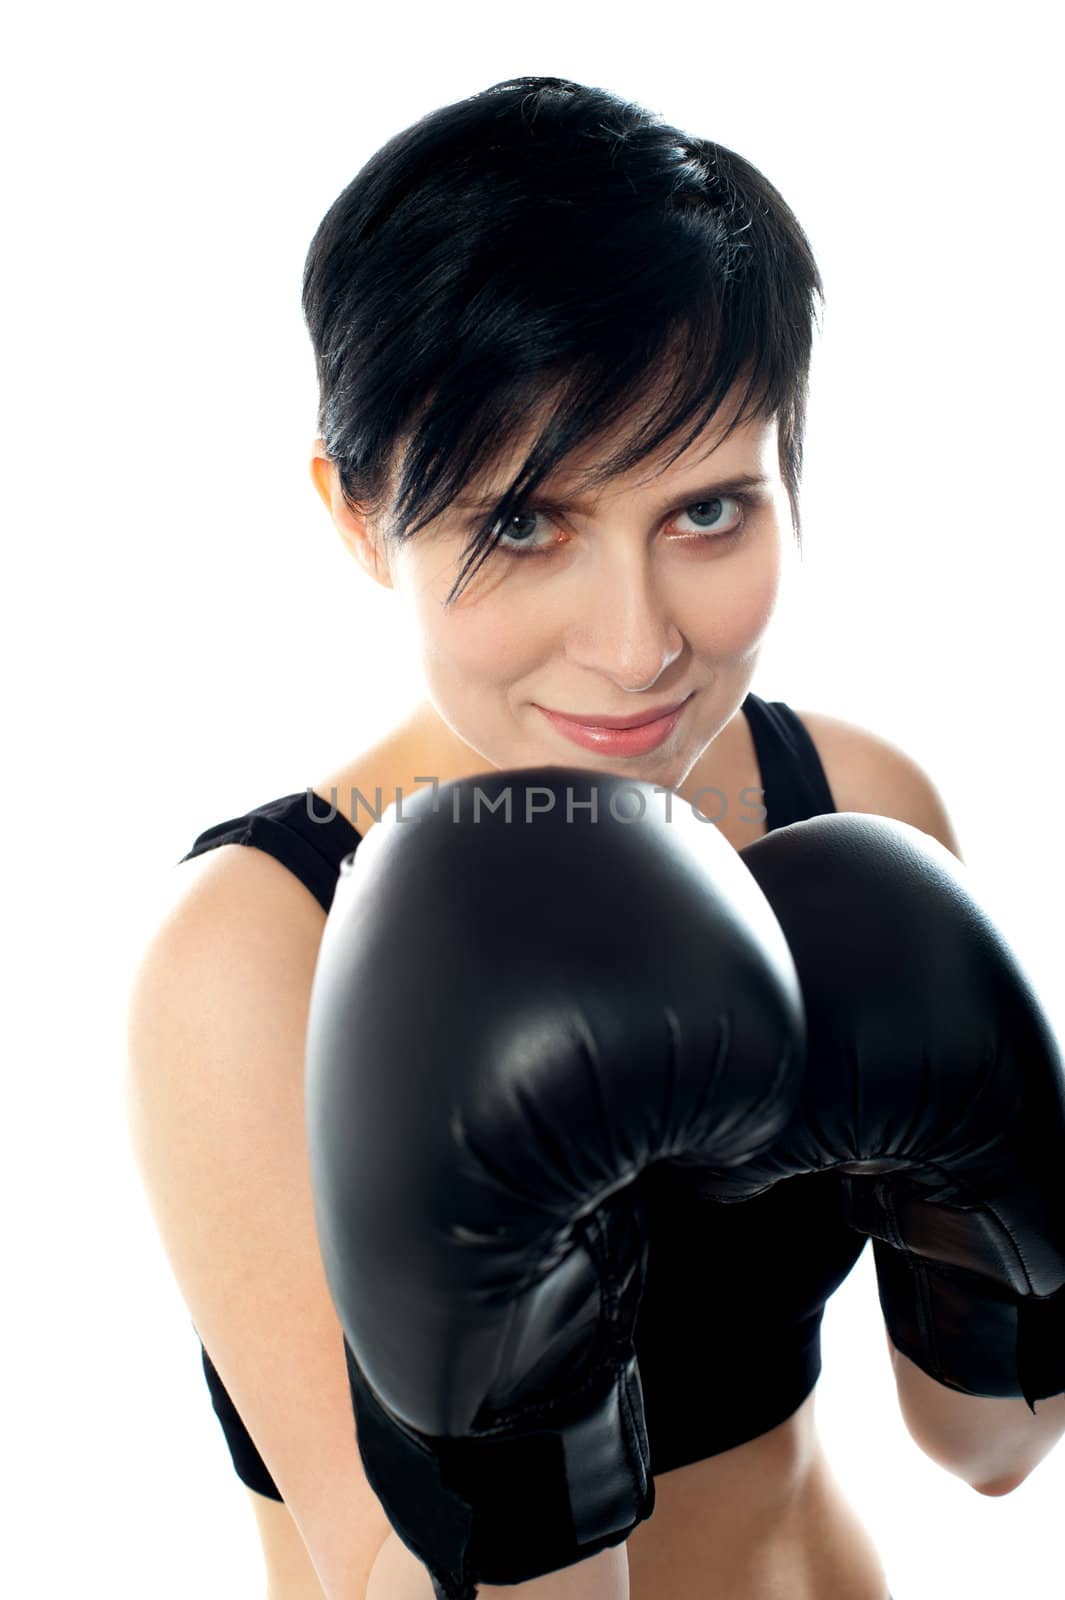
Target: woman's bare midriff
(765,1521)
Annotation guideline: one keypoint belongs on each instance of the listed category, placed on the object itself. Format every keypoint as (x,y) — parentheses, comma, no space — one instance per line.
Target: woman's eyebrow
(733,485)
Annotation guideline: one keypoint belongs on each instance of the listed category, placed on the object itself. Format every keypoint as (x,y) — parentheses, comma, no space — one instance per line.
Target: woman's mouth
(613,741)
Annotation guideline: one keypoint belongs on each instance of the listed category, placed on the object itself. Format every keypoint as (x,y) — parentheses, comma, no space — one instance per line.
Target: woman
(563,353)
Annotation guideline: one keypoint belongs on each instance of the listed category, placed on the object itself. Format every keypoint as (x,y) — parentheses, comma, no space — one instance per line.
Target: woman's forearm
(992,1443)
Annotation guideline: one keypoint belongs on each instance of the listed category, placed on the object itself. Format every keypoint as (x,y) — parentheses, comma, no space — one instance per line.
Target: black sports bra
(728,1334)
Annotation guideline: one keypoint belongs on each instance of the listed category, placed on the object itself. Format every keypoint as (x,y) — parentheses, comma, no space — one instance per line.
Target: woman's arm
(214,1097)
(993,1444)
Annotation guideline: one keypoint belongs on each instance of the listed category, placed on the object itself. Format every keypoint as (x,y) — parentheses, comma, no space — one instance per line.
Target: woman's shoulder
(869,773)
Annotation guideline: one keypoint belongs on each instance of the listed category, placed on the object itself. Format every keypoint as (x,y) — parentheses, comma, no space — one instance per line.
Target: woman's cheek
(491,643)
(735,609)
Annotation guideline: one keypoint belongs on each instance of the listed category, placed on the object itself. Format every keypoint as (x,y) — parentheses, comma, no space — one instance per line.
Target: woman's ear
(352,525)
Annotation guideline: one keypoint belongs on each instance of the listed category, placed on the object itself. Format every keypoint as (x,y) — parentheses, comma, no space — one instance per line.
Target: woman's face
(654,590)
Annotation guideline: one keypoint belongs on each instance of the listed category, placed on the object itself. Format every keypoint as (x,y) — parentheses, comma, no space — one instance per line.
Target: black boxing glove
(516,1009)
(934,1086)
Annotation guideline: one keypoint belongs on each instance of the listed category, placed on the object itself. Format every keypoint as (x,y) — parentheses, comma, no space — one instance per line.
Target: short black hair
(546,240)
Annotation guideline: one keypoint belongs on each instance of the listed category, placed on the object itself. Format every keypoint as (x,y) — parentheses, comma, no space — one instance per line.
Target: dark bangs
(546,255)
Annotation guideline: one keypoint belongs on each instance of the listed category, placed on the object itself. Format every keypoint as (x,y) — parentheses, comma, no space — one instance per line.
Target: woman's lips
(617,741)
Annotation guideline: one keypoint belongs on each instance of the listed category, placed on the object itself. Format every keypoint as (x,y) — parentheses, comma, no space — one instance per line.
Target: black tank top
(728,1334)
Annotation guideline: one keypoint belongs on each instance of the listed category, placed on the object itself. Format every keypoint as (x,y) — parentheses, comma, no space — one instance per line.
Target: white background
(185,636)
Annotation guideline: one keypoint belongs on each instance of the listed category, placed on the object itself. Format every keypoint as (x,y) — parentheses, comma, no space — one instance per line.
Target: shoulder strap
(793,780)
(301,830)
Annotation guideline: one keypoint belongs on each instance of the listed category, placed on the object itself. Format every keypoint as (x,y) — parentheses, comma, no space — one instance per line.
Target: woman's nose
(624,632)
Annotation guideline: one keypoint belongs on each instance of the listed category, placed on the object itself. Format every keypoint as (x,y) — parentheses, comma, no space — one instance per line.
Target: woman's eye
(707,516)
(523,541)
(712,520)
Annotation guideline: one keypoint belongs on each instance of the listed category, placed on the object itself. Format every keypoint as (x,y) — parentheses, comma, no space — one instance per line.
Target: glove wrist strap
(968,1333)
(504,1508)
